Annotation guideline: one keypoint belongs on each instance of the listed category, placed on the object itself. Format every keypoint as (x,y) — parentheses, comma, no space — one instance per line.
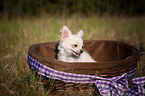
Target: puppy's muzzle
(78,53)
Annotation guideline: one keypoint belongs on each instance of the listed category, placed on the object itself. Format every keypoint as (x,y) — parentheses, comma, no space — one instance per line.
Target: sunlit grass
(17,35)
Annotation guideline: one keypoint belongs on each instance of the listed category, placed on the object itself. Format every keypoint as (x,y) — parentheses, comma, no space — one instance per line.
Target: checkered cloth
(116,86)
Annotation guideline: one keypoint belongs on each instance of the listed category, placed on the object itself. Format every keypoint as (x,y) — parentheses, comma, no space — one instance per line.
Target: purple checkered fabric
(116,86)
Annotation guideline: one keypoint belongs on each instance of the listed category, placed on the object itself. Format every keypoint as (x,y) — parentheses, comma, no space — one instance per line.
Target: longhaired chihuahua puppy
(70,47)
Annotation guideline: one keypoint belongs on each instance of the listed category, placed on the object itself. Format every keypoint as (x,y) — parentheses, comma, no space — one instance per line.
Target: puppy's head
(72,44)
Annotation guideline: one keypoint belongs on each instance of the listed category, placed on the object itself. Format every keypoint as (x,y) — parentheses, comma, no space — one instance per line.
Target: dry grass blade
(12,92)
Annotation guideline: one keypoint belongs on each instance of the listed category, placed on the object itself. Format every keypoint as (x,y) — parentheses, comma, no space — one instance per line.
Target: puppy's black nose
(81,51)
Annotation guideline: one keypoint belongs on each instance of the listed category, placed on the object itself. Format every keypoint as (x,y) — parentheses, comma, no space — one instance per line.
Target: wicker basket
(114,59)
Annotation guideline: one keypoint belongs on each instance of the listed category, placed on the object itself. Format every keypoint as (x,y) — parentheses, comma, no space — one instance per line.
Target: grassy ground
(17,35)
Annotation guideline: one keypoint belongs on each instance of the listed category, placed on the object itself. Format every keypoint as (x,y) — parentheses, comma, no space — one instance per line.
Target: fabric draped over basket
(117,62)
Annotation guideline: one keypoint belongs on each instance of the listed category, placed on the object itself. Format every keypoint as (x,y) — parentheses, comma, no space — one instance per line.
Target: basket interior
(100,51)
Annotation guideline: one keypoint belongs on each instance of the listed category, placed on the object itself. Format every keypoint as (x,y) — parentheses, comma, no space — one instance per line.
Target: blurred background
(22,8)
(27,22)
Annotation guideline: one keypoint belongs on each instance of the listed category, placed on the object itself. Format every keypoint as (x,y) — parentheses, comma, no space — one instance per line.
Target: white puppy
(70,47)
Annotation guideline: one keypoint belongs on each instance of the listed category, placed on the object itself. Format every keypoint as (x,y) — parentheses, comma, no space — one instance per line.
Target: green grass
(17,35)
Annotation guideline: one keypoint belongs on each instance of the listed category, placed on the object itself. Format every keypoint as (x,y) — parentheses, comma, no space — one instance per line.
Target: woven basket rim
(54,62)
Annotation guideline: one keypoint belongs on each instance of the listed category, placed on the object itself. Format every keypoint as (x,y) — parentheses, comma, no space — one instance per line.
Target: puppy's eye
(75,45)
(82,46)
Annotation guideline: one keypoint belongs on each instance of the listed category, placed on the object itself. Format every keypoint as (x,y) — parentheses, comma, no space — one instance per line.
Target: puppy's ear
(65,32)
(80,33)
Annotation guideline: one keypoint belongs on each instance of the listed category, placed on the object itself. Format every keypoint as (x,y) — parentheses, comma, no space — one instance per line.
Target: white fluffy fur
(70,47)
